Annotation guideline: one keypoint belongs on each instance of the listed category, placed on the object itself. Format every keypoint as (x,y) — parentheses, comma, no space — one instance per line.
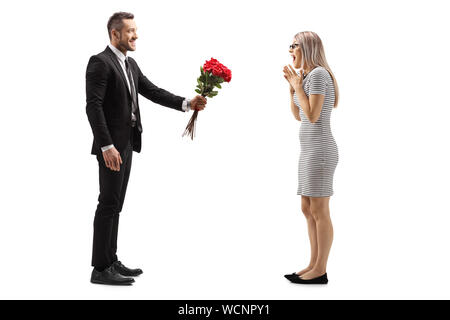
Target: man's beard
(125,45)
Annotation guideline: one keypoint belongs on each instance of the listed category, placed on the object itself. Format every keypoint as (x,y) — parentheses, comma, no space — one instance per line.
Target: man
(113,82)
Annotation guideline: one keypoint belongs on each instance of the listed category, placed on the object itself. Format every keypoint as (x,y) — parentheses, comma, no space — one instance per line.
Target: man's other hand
(112,159)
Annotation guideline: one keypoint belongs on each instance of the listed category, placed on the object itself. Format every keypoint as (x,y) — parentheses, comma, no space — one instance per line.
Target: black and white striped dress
(319,153)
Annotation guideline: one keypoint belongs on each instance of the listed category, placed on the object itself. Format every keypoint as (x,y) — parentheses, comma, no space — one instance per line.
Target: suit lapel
(113,58)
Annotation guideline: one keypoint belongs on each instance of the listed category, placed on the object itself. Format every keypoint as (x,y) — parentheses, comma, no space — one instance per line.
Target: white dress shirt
(121,58)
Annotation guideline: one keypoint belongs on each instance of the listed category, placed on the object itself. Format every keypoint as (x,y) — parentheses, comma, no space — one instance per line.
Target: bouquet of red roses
(212,74)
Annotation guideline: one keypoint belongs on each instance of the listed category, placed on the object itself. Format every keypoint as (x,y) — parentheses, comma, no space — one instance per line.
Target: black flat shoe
(319,280)
(110,277)
(124,271)
(291,276)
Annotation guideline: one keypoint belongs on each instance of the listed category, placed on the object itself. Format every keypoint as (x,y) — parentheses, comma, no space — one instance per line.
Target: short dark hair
(115,22)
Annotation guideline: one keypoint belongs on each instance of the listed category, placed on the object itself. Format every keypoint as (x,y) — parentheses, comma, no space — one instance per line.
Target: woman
(314,93)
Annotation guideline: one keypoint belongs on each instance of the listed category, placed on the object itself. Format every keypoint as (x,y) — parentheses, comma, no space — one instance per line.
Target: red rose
(217,69)
(209,65)
(227,75)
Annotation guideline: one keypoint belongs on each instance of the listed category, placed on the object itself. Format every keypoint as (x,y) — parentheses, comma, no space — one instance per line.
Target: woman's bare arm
(312,106)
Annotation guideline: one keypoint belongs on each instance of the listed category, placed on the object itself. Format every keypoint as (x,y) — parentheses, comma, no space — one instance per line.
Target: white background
(218,217)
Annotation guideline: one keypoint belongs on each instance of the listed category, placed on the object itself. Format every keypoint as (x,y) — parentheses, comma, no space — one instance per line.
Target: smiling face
(296,54)
(125,39)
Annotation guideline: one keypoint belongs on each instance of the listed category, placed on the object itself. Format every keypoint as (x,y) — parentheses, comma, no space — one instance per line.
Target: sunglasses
(293,46)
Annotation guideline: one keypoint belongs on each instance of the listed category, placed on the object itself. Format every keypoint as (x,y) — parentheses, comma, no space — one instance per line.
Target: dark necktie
(133,93)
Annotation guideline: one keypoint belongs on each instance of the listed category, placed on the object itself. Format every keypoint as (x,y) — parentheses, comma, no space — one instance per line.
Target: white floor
(232,252)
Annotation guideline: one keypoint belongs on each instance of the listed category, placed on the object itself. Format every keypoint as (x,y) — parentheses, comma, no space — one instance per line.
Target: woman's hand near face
(295,80)
(294,108)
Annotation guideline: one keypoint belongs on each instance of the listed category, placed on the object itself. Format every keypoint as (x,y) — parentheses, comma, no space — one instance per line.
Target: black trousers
(113,187)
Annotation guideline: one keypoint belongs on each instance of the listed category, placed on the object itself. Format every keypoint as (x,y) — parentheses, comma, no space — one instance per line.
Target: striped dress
(319,153)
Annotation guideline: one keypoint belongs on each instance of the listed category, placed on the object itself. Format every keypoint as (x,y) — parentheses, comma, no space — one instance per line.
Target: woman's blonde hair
(313,55)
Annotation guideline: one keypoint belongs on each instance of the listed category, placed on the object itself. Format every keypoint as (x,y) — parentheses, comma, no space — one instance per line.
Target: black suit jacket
(108,101)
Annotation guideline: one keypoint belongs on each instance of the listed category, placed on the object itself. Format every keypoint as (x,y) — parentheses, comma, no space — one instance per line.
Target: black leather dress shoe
(111,277)
(124,271)
(323,279)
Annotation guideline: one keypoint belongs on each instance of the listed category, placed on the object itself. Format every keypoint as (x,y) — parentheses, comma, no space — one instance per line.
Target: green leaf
(218,85)
(198,91)
(215,92)
(201,70)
